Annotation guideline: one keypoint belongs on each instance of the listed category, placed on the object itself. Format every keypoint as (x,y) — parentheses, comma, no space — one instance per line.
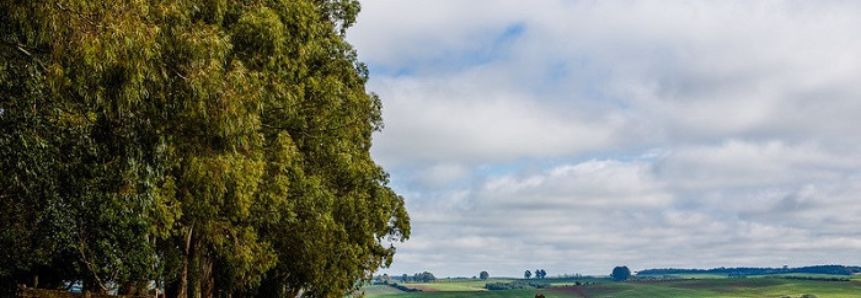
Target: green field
(764,287)
(454,285)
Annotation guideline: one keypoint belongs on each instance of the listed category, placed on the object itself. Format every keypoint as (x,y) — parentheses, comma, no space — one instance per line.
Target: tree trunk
(92,285)
(127,288)
(182,283)
(273,287)
(207,281)
(134,288)
(196,270)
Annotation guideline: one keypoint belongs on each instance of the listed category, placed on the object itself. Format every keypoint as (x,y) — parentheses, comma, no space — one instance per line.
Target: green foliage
(502,286)
(221,147)
(812,277)
(423,277)
(403,288)
(621,273)
(484,275)
(820,269)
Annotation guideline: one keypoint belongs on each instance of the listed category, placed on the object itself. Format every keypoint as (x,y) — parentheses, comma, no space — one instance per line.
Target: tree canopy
(218,147)
(621,273)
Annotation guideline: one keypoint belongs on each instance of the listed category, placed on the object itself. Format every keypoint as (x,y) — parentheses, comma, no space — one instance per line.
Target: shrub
(501,286)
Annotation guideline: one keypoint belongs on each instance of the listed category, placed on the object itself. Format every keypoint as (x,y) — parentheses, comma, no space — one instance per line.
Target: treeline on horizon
(745,271)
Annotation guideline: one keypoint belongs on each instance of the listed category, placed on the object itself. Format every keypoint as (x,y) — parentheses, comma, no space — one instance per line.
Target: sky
(575,136)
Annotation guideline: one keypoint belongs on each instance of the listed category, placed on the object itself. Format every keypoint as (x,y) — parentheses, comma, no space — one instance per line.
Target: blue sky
(575,136)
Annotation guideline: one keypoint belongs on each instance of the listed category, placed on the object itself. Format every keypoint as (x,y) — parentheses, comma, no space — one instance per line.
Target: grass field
(454,285)
(695,288)
(699,276)
(379,290)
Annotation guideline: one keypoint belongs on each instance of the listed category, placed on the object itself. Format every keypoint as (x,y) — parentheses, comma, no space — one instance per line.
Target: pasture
(760,287)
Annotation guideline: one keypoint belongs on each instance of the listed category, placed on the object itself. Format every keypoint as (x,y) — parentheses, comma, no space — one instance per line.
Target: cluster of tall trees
(419,277)
(539,274)
(219,148)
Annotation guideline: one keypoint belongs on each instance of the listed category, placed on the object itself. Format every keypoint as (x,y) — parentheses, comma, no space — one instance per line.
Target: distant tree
(527,274)
(424,277)
(484,275)
(405,278)
(621,273)
(540,273)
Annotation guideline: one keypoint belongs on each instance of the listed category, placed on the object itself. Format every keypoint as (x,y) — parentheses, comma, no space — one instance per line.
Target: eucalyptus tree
(218,147)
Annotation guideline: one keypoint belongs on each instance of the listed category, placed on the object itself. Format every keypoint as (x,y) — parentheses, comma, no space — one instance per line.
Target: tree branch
(22,50)
(81,248)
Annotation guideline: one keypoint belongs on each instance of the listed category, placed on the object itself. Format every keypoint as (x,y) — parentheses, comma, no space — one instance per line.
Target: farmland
(689,286)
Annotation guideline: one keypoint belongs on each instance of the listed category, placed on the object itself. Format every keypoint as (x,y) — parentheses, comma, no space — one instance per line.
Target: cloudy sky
(575,136)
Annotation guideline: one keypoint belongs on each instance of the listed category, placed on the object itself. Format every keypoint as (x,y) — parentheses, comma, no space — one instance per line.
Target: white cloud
(443,174)
(448,120)
(588,216)
(588,75)
(601,184)
(578,135)
(737,163)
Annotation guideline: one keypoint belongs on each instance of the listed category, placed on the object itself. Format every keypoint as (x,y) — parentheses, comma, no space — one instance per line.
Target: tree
(527,274)
(484,275)
(221,147)
(424,277)
(621,273)
(385,279)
